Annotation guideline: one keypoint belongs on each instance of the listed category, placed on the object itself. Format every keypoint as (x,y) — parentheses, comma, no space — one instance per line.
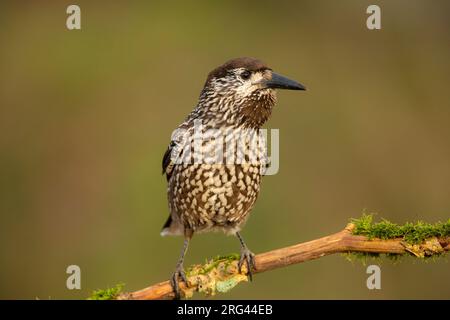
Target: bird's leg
(247,256)
(179,270)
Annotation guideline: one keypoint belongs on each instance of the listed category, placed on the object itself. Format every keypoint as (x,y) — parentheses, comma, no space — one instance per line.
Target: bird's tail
(171,228)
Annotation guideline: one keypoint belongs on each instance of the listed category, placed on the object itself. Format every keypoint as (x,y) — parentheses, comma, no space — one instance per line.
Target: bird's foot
(249,257)
(179,273)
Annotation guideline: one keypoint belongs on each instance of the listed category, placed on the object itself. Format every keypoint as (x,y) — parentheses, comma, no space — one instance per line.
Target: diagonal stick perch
(221,274)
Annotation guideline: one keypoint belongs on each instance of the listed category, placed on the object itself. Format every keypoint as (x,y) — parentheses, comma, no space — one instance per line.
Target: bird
(210,193)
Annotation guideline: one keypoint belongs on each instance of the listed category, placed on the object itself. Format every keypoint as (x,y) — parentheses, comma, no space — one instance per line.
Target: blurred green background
(85,117)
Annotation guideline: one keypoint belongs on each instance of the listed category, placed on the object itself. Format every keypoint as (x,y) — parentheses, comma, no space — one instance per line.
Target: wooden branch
(222,274)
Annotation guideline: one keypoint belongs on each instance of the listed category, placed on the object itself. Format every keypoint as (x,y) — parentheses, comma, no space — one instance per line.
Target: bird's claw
(179,273)
(249,257)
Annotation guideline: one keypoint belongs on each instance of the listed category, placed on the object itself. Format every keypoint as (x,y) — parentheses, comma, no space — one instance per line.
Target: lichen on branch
(217,275)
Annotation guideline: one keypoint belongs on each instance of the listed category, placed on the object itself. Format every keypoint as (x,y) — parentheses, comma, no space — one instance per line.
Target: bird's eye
(246,75)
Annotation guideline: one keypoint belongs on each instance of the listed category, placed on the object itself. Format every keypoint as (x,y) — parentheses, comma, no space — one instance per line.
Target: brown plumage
(216,158)
(249,64)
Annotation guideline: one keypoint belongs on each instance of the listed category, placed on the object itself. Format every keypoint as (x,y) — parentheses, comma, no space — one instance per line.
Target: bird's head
(242,92)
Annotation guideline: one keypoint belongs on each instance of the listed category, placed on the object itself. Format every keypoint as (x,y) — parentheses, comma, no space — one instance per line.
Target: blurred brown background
(85,117)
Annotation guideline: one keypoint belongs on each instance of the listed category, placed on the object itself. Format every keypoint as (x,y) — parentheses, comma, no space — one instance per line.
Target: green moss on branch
(412,233)
(221,274)
(107,294)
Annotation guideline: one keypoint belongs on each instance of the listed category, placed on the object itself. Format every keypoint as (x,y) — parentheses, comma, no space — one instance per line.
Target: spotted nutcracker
(208,193)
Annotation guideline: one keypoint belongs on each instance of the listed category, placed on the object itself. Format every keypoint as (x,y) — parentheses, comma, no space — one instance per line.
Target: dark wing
(174,152)
(167,163)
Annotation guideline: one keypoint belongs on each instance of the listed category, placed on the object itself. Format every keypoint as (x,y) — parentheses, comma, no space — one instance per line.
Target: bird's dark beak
(281,82)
